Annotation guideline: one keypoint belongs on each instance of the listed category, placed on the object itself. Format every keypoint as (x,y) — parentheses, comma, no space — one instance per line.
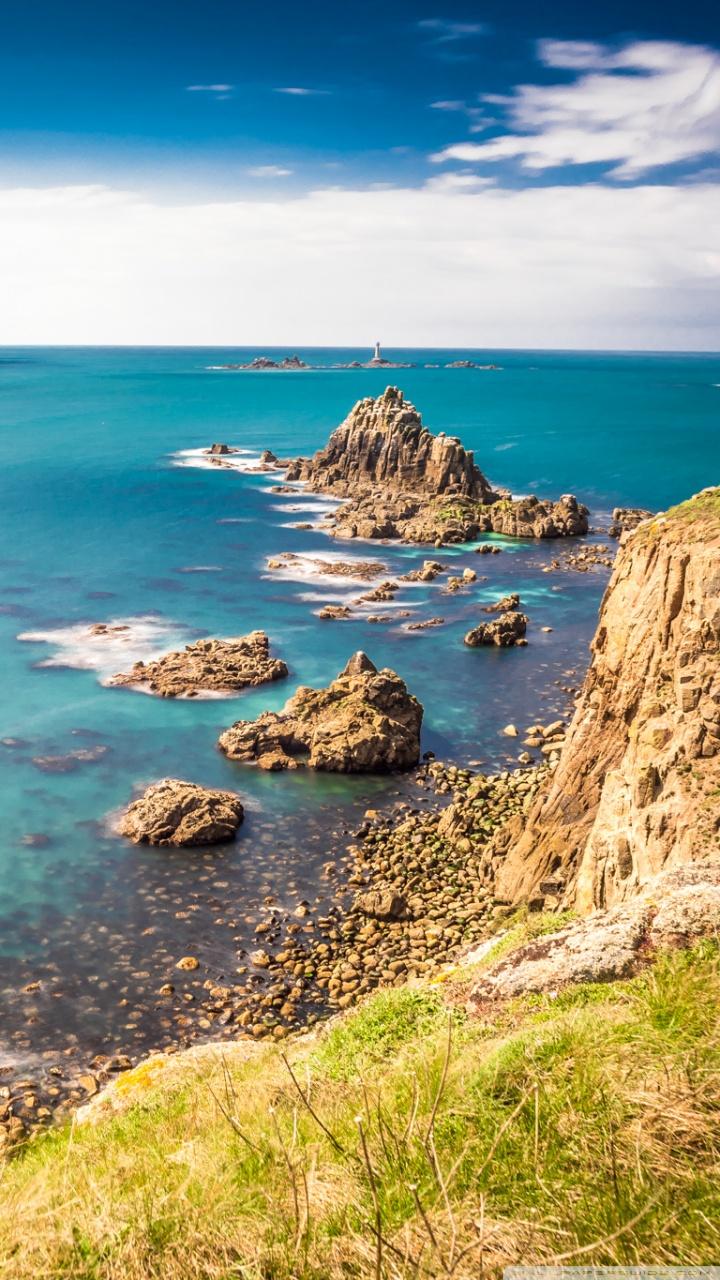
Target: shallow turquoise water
(100,524)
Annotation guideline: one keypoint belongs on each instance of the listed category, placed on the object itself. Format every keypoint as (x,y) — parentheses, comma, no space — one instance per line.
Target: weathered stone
(637,784)
(221,666)
(505,631)
(364,722)
(172,812)
(382,904)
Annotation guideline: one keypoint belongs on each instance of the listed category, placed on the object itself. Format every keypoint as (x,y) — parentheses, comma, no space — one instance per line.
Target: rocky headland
(401,481)
(365,721)
(172,812)
(207,666)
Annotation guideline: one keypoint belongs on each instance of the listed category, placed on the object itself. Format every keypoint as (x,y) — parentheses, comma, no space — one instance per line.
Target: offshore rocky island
(471,935)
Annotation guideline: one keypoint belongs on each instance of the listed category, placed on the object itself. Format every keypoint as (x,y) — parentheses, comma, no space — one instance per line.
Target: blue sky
(532,146)
(92,91)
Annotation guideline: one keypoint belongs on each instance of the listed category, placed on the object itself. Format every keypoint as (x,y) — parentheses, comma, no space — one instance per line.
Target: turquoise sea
(101,523)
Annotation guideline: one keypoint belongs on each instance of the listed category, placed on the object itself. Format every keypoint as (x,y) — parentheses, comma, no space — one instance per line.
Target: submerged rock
(509,629)
(364,722)
(219,666)
(172,812)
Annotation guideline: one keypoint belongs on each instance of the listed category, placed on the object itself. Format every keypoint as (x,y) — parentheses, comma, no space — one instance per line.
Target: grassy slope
(582,1128)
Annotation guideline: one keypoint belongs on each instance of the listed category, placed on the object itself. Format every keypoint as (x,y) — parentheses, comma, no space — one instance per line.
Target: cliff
(383,442)
(637,785)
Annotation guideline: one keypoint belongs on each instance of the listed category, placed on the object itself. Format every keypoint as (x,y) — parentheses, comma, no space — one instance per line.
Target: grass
(405,1141)
(693,516)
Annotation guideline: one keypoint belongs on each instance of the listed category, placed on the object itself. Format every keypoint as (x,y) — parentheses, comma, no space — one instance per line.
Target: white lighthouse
(377,354)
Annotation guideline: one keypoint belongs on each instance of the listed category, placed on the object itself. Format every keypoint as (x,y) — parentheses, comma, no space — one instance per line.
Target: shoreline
(307,969)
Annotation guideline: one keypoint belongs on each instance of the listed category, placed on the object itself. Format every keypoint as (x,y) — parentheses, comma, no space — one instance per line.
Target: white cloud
(648,104)
(591,266)
(219,91)
(444,31)
(463,180)
(268,171)
(299,91)
(448,104)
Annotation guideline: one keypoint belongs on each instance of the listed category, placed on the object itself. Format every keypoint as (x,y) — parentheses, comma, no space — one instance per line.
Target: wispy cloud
(302,91)
(646,104)
(445,31)
(218,91)
(268,171)
(464,180)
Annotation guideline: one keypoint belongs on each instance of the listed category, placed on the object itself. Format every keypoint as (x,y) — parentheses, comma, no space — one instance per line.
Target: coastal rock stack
(383,443)
(364,722)
(401,481)
(637,786)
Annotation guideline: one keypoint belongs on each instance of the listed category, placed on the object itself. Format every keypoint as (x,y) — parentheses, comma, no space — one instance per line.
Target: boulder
(364,722)
(218,666)
(509,629)
(676,908)
(172,812)
(626,518)
(382,904)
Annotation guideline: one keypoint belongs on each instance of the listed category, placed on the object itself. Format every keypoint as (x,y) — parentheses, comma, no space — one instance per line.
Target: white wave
(321,504)
(79,646)
(304,568)
(243,460)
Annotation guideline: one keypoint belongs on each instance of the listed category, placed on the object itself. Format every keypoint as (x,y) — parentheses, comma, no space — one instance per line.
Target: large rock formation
(218,666)
(364,722)
(637,786)
(172,812)
(401,481)
(383,443)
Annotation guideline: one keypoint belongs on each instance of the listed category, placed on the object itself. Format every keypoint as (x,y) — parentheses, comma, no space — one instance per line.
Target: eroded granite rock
(173,812)
(637,786)
(676,908)
(364,722)
(506,630)
(219,666)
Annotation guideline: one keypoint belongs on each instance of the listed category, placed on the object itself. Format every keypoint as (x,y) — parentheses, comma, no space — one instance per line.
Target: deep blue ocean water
(101,524)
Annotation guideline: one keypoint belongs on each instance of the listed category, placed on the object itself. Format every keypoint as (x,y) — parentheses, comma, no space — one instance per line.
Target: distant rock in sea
(364,722)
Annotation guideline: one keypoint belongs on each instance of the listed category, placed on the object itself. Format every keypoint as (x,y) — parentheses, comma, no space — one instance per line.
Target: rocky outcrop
(626,518)
(677,908)
(507,630)
(383,443)
(364,570)
(637,786)
(217,666)
(401,481)
(364,722)
(172,812)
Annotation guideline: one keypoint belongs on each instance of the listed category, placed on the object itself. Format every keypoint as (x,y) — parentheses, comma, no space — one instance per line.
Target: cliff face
(383,443)
(637,786)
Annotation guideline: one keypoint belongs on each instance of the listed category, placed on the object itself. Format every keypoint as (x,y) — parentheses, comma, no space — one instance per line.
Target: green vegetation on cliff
(404,1141)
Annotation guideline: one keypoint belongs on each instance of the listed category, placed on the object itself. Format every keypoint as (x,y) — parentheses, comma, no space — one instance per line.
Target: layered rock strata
(212,666)
(364,722)
(172,812)
(637,786)
(401,481)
